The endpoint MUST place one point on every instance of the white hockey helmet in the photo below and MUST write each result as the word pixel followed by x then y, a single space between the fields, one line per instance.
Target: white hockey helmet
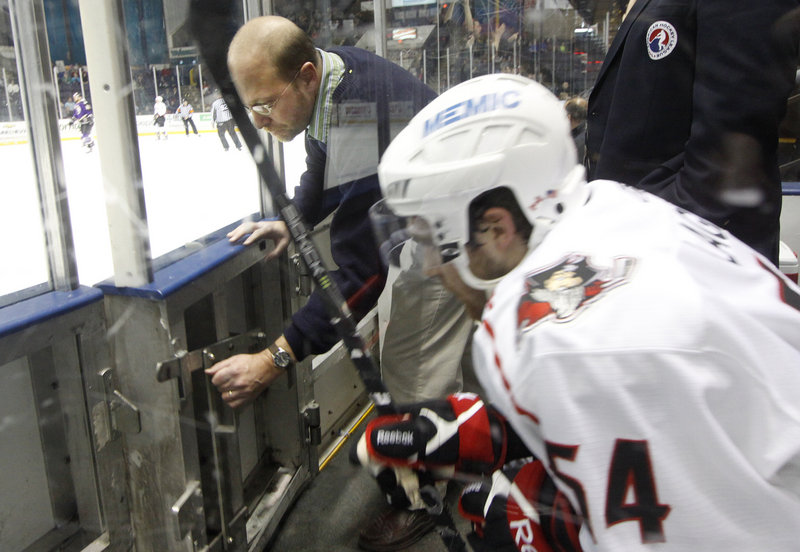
pixel 159 99
pixel 489 132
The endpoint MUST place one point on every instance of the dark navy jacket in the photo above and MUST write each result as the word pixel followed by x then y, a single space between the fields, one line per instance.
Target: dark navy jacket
pixel 687 106
pixel 372 89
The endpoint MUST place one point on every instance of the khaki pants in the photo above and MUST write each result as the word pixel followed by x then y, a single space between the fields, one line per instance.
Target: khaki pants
pixel 425 338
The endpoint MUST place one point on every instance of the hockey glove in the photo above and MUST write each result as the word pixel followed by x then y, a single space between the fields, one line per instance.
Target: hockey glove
pixel 402 486
pixel 520 511
pixel 459 432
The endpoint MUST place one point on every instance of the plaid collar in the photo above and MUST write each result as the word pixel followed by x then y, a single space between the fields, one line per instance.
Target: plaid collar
pixel 332 72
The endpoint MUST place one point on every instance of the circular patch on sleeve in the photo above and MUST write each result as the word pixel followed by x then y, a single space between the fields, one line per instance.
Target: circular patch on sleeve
pixel 661 39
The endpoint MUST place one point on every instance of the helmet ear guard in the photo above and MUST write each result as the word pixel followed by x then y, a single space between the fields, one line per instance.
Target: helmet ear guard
pixel 489 132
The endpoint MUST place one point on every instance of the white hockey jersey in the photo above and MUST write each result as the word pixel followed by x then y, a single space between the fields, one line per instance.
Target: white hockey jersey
pixel 160 109
pixel 653 362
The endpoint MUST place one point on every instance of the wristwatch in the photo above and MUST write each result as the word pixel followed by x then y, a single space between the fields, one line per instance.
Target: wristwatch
pixel 280 356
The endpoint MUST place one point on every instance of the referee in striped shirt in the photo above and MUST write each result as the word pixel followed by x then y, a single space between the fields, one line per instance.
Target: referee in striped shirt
pixel 221 115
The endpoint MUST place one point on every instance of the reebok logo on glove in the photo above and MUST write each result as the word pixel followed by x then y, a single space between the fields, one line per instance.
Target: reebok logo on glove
pixel 454 432
pixel 394 437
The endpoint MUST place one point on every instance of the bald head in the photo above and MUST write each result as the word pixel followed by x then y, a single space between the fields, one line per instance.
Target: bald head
pixel 270 43
pixel 274 65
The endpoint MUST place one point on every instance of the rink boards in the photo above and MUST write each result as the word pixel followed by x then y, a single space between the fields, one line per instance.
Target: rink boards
pixel 17 132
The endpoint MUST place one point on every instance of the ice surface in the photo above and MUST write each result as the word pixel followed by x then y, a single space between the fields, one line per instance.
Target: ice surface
pixel 191 186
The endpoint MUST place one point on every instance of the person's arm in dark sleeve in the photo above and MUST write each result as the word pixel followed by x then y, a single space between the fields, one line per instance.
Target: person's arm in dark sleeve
pixel 360 275
pixel 744 71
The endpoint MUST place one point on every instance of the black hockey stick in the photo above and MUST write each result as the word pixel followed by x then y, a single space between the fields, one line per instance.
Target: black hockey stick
pixel 213 25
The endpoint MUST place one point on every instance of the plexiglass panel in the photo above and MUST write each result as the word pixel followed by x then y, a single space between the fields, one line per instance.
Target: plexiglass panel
pixel 445 43
pixel 24 261
pixel 192 185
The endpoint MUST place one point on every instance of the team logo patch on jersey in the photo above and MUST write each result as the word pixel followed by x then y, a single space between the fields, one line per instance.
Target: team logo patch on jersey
pixel 661 39
pixel 561 292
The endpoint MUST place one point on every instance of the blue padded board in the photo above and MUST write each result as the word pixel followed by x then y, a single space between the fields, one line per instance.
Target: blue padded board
pixel 173 277
pixel 46 306
pixel 180 267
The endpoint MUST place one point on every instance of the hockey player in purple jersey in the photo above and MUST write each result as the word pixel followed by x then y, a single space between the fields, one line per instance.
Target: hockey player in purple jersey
pixel 83 118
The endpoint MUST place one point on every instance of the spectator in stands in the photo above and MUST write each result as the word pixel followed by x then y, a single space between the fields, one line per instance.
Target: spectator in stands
pixel 69 106
pixel 576 108
pixel 458 22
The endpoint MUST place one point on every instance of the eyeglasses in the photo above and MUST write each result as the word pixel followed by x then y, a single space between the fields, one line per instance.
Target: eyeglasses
pixel 265 109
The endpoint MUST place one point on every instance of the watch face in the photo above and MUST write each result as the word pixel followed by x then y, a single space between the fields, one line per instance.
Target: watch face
pixel 282 358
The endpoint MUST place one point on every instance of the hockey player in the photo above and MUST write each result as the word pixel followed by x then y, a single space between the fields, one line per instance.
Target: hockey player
pixel 83 119
pixel 646 359
pixel 160 117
